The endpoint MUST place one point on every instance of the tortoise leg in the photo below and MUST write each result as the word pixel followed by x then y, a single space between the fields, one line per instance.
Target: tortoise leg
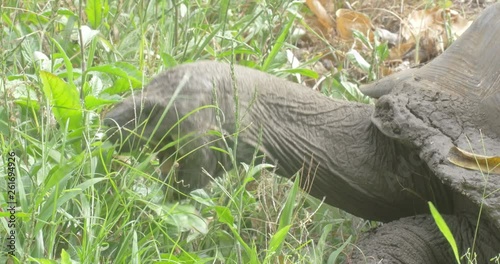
pixel 417 240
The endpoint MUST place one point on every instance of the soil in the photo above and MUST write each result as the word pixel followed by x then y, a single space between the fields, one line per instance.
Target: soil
pixel 389 15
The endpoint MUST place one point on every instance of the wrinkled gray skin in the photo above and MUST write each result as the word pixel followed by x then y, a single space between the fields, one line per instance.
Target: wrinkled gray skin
pixel 380 163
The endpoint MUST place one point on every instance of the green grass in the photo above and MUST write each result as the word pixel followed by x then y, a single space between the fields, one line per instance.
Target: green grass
pixel 77 203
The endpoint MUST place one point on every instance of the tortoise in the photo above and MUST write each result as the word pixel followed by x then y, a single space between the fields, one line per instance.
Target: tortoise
pixel 381 162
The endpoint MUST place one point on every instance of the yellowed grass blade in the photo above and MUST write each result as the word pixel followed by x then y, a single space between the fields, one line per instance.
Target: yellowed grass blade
pixel 464 159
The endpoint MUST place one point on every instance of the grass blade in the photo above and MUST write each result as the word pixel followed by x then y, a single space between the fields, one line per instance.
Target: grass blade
pixel 445 230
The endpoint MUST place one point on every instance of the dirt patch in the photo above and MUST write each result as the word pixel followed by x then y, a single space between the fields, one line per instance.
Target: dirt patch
pixel 325 42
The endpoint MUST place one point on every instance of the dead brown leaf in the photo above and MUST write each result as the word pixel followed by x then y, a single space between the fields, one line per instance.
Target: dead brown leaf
pixel 349 20
pixel 398 51
pixel 319 10
pixel 464 159
pixel 432 28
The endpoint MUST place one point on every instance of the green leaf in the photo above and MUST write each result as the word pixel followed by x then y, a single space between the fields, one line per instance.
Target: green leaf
pixel 168 60
pixel 303 72
pixel 362 37
pixel 120 85
pixel 64 12
pixel 277 239
pixel 92 102
pixel 355 58
pixel 57 173
pixel 382 52
pixel 6 19
pixel 332 259
pixel 202 197
pixel 65 258
pixel 322 245
pixel 67 194
pixel 135 249
pixel 287 213
pixel 285 220
pixel 184 217
pixel 258 168
pixel 445 230
pixel 67 61
pixel 224 215
pixel 278 44
pixel 43 261
pixel 63 99
pixel 121 69
pixel 96 10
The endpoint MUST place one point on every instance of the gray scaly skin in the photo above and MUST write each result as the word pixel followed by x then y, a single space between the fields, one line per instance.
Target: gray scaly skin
pixel 380 163
pixel 349 161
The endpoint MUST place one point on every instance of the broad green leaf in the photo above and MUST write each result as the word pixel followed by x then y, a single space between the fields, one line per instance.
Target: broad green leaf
pixel 65 258
pixel 258 168
pixel 120 85
pixel 168 60
pixel 277 239
pixel 382 51
pixel 121 69
pixel 353 90
pixel 464 159
pixel 202 197
pixel 184 217
pixel 64 100
pixel 303 72
pixel 224 215
pixel 96 10
pixel 92 102
pixel 88 34
pixel 355 58
pixel 445 230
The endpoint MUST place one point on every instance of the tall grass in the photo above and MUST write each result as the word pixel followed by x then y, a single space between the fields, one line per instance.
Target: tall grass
pixel 64 62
